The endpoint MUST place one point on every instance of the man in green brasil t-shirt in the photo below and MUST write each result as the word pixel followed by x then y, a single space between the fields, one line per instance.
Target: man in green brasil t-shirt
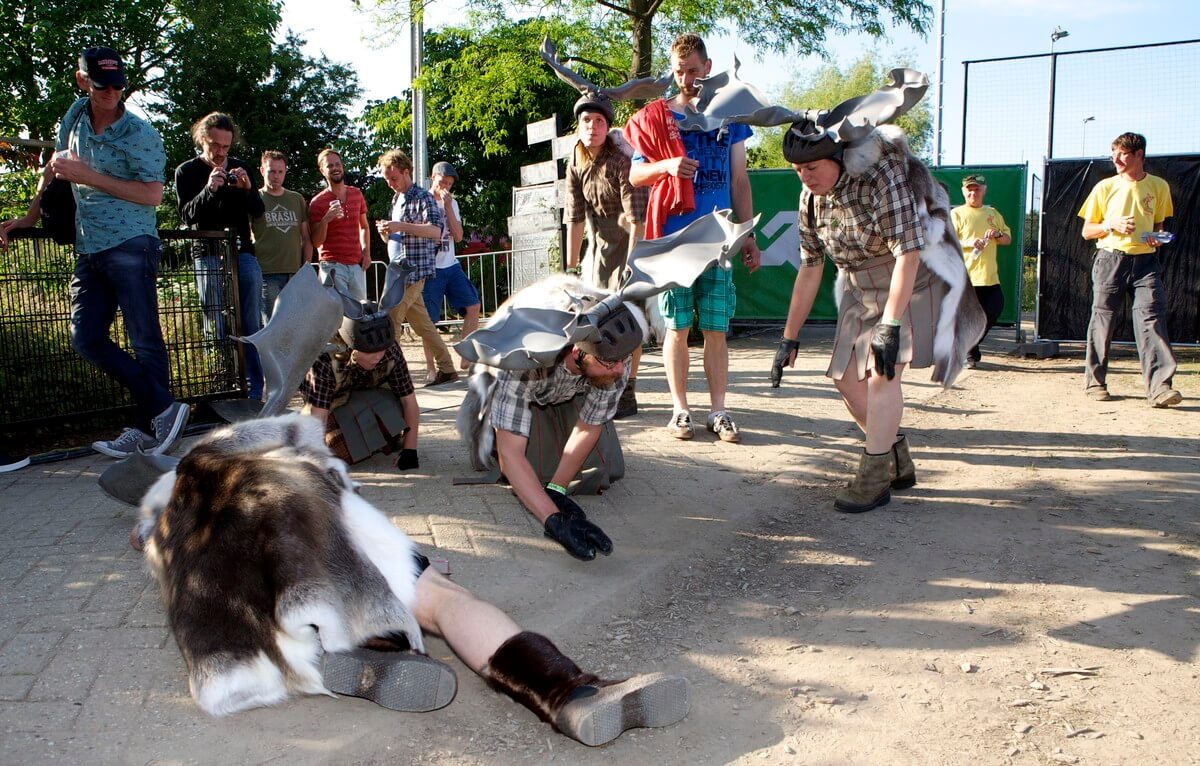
pixel 281 237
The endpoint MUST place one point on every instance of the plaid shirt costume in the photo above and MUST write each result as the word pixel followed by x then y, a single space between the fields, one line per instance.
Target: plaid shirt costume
pixel 861 218
pixel 416 206
pixel 333 376
pixel 517 391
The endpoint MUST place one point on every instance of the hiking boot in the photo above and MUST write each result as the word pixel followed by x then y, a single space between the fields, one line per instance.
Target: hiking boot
pixel 906 472
pixel 1098 393
pixel 723 426
pixel 871 486
pixel 405 681
pixel 1168 398
pixel 681 425
pixel 130 442
pixel 167 425
pixel 628 404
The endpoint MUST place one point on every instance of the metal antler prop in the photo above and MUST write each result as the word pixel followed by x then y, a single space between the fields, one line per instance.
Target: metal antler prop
pixel 523 337
pixel 641 89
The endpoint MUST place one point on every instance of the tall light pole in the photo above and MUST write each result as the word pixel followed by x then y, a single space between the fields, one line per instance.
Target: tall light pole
pixel 1058 34
pixel 941 68
pixel 1083 138
pixel 420 159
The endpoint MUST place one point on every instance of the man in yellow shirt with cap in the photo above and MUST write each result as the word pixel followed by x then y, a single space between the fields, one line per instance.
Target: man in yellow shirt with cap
pixel 980 228
pixel 1123 214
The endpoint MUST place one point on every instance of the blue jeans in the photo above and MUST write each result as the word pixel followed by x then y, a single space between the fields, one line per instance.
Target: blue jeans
pixel 250 286
pixel 210 286
pixel 350 280
pixel 273 285
pixel 123 277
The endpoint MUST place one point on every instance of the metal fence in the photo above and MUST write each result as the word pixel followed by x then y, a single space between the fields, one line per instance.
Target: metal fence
pixel 44 382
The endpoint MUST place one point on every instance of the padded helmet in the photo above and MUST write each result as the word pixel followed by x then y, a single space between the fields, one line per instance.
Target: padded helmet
pixel 369 333
pixel 806 142
pixel 595 102
pixel 618 334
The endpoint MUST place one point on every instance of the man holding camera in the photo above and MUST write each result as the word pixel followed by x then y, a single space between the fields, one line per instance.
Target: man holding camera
pixel 216 192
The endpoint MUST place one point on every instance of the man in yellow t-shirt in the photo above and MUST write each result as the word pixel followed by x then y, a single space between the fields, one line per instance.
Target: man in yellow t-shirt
pixel 1121 214
pixel 980 228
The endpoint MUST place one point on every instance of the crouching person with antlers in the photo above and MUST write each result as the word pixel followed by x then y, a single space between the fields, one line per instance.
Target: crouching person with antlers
pixel 278 578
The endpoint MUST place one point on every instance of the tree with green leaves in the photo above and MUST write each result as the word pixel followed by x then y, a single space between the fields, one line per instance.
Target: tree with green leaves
pixel 769 26
pixel 826 88
pixel 182 60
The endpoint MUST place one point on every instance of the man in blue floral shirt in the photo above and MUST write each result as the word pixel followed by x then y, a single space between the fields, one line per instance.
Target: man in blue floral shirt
pixel 114 161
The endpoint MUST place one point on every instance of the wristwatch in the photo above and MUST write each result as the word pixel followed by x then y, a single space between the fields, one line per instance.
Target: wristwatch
pixel 1107 228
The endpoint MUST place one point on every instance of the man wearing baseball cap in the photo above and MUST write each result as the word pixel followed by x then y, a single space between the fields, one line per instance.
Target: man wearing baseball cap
pixel 980 228
pixel 114 161
pixel 449 282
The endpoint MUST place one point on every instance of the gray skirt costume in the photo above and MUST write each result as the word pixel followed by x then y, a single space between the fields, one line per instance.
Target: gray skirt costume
pixel 863 295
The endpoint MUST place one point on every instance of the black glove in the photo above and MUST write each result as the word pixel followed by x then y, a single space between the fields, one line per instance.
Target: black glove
pixel 407 460
pixel 572 530
pixel 885 344
pixel 783 356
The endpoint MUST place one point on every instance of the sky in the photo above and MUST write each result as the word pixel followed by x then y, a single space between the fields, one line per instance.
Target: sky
pixel 975 29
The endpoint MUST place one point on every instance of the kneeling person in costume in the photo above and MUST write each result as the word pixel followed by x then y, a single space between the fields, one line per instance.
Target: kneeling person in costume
pixel 279 579
pixel 903 293
pixel 363 393
pixel 583 385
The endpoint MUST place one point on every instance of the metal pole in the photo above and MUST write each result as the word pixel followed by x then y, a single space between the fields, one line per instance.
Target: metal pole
pixel 1050 120
pixel 962 155
pixel 420 149
pixel 941 65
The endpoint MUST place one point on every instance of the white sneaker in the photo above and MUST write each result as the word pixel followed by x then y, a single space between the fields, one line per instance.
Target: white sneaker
pixel 681 425
pixel 723 426
pixel 131 441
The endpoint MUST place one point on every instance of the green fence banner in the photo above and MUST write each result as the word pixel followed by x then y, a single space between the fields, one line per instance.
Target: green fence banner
pixel 765 294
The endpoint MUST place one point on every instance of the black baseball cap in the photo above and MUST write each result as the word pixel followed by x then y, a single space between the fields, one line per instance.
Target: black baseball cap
pixel 103 67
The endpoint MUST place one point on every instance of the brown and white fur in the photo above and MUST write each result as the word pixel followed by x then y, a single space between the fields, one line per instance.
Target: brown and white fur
pixel 961 320
pixel 267 557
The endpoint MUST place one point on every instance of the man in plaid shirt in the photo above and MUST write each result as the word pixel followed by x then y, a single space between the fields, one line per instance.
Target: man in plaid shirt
pixel 413 236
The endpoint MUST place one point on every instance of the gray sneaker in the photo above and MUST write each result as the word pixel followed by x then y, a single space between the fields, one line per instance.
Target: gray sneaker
pixel 681 426
pixel 723 426
pixel 130 442
pixel 167 425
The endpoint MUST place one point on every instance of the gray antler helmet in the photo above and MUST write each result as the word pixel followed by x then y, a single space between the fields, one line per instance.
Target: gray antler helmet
pixel 824 135
pixel 618 330
pixel 370 332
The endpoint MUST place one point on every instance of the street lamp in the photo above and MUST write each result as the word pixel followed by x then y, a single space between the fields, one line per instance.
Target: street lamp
pixel 1058 34
pixel 1083 140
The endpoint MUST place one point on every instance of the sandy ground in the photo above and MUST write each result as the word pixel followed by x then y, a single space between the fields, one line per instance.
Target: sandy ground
pixel 1033 600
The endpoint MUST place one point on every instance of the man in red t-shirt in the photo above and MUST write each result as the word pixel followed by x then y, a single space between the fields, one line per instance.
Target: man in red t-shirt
pixel 339 230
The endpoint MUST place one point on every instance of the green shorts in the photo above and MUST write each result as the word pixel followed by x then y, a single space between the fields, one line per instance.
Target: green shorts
pixel 711 296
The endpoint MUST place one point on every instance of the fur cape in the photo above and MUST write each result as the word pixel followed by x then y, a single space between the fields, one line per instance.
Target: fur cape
pixel 267 557
pixel 961 322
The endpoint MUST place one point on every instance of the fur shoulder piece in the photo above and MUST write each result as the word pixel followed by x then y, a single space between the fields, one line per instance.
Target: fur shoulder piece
pixel 267 557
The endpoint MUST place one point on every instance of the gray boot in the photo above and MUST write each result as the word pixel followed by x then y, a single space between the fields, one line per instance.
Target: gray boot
pixel 871 486
pixel 906 472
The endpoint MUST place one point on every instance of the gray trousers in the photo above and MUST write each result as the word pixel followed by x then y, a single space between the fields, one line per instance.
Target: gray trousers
pixel 1113 275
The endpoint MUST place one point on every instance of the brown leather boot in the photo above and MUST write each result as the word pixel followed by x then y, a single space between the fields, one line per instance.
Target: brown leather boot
pixel 529 668
pixel 871 486
pixel 906 472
